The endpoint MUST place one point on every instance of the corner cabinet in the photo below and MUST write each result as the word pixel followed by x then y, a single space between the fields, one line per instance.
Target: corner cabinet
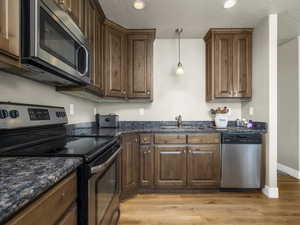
pixel 140 63
pixel 115 60
pixel 228 64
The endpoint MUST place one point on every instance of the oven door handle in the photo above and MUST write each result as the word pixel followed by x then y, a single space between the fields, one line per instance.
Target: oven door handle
pixel 102 167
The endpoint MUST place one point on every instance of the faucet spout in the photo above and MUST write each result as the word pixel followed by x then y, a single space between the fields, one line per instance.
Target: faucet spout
pixel 179 121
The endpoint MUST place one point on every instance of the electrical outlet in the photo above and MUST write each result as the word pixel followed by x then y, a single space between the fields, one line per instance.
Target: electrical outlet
pixel 141 111
pixel 251 111
pixel 72 110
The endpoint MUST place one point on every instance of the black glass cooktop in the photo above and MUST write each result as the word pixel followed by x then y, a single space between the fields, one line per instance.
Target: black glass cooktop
pixel 54 144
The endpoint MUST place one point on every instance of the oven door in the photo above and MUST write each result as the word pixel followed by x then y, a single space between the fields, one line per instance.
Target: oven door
pixel 104 191
pixel 53 41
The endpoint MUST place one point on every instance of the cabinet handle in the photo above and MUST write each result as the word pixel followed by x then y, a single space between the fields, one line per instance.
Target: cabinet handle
pixel 136 140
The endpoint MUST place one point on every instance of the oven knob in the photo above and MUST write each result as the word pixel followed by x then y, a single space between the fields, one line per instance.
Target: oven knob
pixel 3 114
pixel 14 114
pixel 58 114
pixel 63 114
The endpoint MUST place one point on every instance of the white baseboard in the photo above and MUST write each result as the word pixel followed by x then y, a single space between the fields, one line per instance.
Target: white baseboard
pixel 288 170
pixel 270 192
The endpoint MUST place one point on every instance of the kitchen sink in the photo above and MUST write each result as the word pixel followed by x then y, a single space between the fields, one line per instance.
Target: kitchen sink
pixel 176 127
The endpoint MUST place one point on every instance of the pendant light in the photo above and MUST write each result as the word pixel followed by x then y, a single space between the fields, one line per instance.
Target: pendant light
pixel 179 70
pixel 139 4
pixel 229 3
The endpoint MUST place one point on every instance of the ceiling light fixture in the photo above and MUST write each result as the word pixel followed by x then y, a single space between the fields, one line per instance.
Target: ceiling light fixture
pixel 179 70
pixel 139 4
pixel 229 3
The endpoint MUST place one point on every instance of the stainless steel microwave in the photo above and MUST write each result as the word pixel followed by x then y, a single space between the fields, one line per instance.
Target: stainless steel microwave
pixel 54 49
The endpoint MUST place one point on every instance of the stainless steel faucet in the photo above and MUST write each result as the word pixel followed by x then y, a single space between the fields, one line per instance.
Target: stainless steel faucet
pixel 179 120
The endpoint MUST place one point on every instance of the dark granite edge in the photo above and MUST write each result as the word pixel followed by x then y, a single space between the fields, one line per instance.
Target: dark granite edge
pixel 52 180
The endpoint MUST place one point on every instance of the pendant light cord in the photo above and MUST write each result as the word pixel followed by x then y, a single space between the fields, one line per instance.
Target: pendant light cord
pixel 179 45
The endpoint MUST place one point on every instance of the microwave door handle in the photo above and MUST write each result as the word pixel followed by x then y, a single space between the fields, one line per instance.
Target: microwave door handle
pixel 102 167
pixel 87 61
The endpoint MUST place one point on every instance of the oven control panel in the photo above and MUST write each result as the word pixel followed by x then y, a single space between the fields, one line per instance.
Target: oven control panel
pixel 13 115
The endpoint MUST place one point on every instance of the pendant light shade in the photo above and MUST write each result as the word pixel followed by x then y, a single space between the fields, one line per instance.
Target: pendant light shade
pixel 179 70
pixel 229 3
pixel 139 4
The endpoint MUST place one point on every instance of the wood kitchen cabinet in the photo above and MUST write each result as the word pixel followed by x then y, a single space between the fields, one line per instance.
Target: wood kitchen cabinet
pixel 130 164
pixel 229 63
pixel 56 207
pixel 9 30
pixel 140 63
pixel 203 166
pixel 147 166
pixel 170 166
pixel 115 60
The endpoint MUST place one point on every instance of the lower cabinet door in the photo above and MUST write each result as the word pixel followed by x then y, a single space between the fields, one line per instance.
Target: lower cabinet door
pixel 147 166
pixel 130 163
pixel 170 166
pixel 203 166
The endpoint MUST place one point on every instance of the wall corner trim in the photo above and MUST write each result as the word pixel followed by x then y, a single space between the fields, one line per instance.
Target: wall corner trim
pixel 270 192
pixel 288 170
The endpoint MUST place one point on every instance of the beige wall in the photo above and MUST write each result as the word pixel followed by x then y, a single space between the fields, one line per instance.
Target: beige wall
pixel 288 104
pixel 174 95
pixel 264 100
pixel 18 89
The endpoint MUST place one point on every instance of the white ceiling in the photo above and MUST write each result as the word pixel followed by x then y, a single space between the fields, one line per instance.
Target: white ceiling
pixel 197 16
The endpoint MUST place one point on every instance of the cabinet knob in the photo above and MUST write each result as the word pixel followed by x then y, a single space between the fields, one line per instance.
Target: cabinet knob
pixel 148 92
pixel 124 92
pixel 136 140
pixel 144 139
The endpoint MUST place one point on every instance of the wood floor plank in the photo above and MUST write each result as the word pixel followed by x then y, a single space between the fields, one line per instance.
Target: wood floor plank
pixel 215 208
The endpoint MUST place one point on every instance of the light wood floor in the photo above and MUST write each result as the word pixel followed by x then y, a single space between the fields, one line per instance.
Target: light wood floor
pixel 215 208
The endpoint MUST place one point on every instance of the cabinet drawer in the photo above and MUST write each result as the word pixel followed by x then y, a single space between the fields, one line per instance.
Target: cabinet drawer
pixel 203 138
pixel 146 139
pixel 170 139
pixel 51 206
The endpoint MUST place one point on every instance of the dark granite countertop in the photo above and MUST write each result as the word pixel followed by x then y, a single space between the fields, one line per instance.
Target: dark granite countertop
pixel 131 130
pixel 23 179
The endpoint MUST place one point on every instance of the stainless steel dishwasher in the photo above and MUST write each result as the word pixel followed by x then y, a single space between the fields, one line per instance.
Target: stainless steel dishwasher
pixel 241 161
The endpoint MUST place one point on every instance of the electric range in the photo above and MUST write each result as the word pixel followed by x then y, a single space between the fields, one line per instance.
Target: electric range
pixel 39 131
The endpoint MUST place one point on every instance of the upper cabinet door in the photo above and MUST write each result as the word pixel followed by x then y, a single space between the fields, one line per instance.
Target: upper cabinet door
pixel 140 64
pixel 223 65
pixel 99 53
pixel 228 63
pixel 90 11
pixel 242 64
pixel 9 27
pixel 115 62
